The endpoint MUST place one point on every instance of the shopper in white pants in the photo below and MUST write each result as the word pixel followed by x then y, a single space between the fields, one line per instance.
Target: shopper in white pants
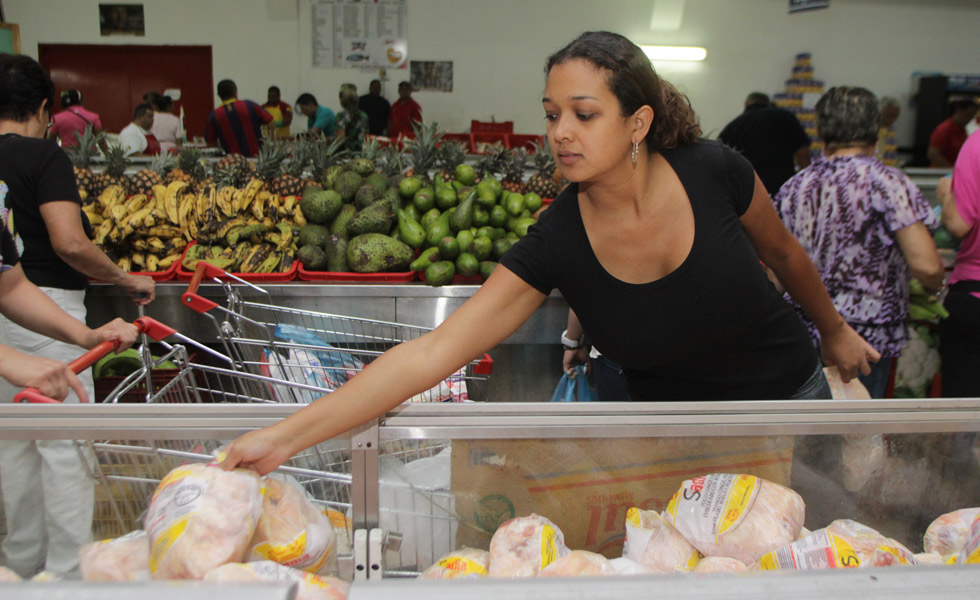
pixel 48 497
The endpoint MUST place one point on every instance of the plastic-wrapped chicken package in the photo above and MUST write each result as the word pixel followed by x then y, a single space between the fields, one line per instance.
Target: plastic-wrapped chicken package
pixel 971 547
pixel 737 516
pixel 929 558
pixel 8 576
pixel 579 563
pixel 626 566
pixel 201 517
pixel 309 586
pixel 719 564
pixel 655 544
pixel 947 534
pixel 523 546
pixel 842 544
pixel 291 531
pixel 462 563
pixel 125 558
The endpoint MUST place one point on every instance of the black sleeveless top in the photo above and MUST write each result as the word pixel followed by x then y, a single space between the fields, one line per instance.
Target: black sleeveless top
pixel 713 329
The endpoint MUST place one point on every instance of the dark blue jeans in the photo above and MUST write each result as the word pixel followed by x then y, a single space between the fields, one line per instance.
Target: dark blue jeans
pixel 610 383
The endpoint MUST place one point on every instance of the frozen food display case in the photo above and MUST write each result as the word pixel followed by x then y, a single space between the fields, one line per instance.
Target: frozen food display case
pixel 427 479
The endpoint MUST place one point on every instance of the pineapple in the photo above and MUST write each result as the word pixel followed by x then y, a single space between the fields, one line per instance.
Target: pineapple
pixel 189 167
pixel 422 150
pixel 290 180
pixel 144 180
pixel 492 163
pixel 542 181
pixel 391 160
pixel 515 161
pixel 268 164
pixel 81 158
pixel 116 163
pixel 451 155
pixel 233 170
pixel 323 156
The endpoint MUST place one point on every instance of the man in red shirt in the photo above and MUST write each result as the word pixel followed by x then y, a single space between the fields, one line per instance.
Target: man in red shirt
pixel 948 137
pixel 236 124
pixel 404 112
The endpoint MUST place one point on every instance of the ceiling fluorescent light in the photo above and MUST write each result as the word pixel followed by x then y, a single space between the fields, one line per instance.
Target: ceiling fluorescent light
pixel 674 52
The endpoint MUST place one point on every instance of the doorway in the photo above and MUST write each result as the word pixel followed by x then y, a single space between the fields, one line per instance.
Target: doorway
pixel 113 79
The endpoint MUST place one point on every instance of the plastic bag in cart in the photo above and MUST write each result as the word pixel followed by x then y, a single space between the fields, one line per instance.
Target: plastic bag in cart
pixel 862 455
pixel 574 387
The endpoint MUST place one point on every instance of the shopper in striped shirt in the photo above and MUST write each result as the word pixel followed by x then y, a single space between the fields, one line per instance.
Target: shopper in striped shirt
pixel 236 124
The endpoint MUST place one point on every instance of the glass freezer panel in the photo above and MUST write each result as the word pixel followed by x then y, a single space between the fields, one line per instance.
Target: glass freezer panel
pixel 461 492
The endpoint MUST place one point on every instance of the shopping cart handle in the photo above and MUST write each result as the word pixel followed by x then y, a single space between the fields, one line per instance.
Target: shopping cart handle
pixel 190 297
pixel 154 329
pixel 483 366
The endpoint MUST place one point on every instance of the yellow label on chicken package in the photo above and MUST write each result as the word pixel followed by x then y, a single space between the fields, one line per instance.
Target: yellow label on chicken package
pixel 705 508
pixel 462 566
pixel 549 546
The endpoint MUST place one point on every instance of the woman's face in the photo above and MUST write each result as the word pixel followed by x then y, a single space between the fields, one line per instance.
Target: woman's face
pixel 590 138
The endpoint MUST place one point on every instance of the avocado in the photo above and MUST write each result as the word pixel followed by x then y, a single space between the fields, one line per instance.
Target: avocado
pixel 429 218
pixel 498 216
pixel 312 234
pixel 467 265
pixel 514 204
pixel 377 253
pixel 522 225
pixel 373 219
pixel 335 249
pixel 482 247
pixel 448 248
pixel 426 258
pixel 320 207
pixel 465 239
pixel 409 186
pixel 440 273
pixel 424 199
pixel 312 257
pixel 462 217
pixel 347 184
pixel 339 224
pixel 532 201
pixel 486 267
pixel 410 231
pixel 438 230
pixel 500 247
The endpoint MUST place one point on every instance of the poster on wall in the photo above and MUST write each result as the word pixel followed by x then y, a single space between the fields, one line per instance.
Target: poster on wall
pixel 432 75
pixel 121 19
pixel 360 34
pixel 801 5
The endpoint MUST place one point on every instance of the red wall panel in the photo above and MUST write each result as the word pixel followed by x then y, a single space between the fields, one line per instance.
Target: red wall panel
pixel 114 78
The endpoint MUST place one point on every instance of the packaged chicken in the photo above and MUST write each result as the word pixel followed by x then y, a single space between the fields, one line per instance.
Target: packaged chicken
pixel 309 586
pixel 125 558
pixel 8 576
pixel 929 558
pixel 466 562
pixel 579 563
pixel 654 543
pixel 201 517
pixel 947 534
pixel 626 566
pixel 291 531
pixel 842 544
pixel 719 564
pixel 970 554
pixel 523 546
pixel 738 516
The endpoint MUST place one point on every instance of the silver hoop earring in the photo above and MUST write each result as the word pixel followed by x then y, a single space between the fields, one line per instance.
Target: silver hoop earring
pixel 635 154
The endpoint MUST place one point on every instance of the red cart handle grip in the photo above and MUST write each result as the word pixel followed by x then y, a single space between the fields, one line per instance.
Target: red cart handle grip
pixel 483 366
pixel 154 329
pixel 190 297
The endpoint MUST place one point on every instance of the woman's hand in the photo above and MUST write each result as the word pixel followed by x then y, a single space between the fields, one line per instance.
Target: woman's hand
pixel 848 351
pixel 141 288
pixel 51 377
pixel 115 330
pixel 261 451
pixel 573 358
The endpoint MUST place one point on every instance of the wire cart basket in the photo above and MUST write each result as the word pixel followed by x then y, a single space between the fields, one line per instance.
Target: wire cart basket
pixel 319 349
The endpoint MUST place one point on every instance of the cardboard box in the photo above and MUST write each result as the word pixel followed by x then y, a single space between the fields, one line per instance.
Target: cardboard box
pixel 586 485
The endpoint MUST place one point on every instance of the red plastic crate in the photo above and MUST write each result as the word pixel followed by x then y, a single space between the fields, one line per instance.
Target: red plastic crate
pixel 524 140
pixel 185 275
pixel 156 276
pixel 351 277
pixel 478 140
pixel 491 126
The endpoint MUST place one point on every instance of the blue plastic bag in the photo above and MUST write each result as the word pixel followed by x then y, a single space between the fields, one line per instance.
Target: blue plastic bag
pixel 574 387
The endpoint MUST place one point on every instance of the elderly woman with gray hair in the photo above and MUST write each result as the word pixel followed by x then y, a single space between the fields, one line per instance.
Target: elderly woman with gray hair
pixel 865 226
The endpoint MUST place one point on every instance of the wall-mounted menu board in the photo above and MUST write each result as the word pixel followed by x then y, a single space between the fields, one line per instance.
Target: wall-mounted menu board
pixel 355 34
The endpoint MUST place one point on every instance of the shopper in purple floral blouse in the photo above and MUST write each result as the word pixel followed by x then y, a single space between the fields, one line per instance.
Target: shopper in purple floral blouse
pixel 864 225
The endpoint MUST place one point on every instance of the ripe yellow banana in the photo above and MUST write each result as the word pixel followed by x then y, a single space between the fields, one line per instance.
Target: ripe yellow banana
pixel 172 200
pixel 160 196
pixel 136 203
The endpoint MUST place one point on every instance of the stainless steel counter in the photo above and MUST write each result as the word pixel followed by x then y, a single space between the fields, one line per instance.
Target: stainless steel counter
pixel 527 364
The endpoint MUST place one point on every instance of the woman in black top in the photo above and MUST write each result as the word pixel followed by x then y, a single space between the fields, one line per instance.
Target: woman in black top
pixel 656 247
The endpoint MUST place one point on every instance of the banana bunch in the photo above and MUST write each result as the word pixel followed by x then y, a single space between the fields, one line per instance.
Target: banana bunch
pixel 250 225
pixel 136 232
pixel 922 307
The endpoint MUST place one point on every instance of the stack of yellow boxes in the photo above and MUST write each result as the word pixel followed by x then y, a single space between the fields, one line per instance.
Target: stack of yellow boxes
pixel 800 97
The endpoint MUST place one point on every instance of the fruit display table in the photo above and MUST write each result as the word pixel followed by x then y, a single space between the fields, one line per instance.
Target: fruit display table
pixel 527 365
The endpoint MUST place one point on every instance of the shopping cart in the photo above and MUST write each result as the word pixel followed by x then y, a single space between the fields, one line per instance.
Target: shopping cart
pixel 320 349
pixel 127 472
